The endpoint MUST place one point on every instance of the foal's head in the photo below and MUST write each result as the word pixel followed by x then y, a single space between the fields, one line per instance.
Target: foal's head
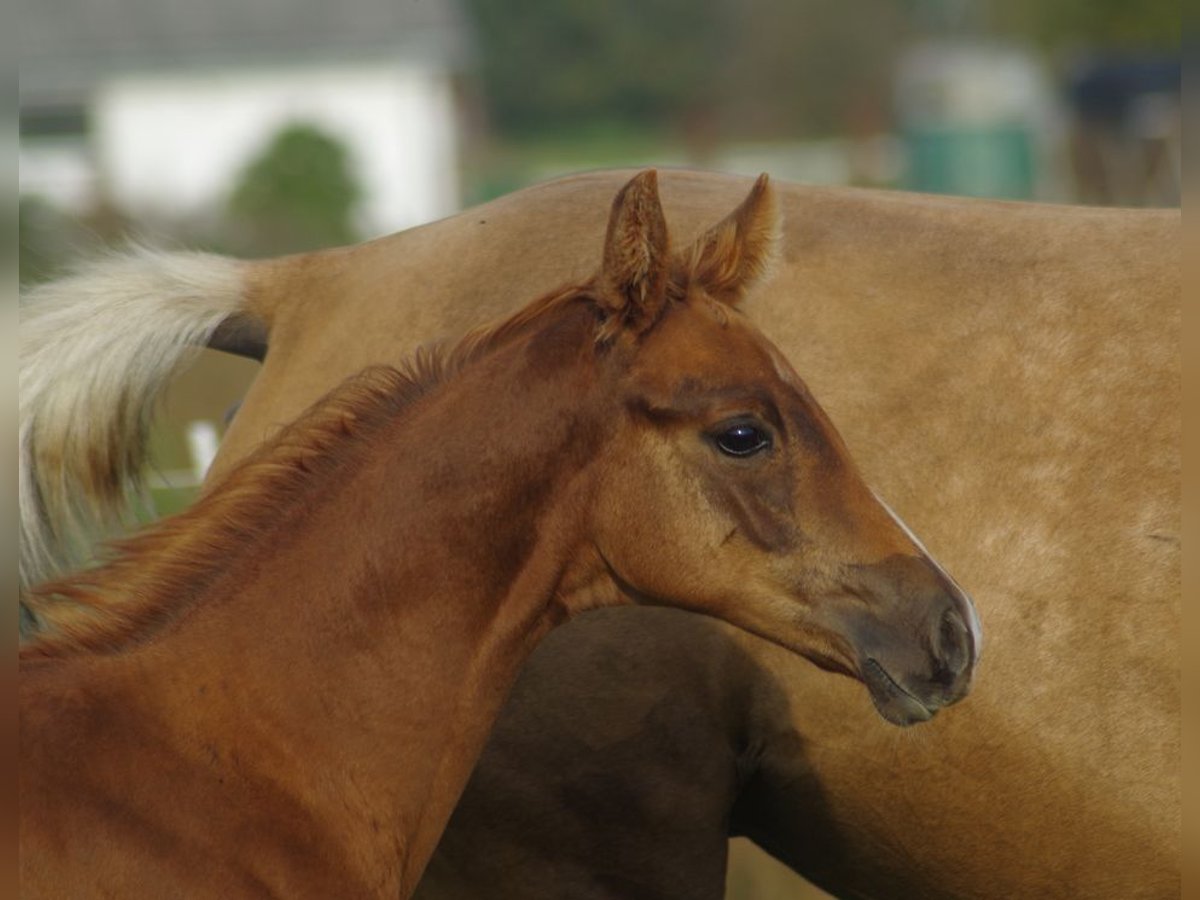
pixel 726 488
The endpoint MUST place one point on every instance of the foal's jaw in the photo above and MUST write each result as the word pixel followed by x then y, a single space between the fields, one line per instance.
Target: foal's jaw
pixel 893 702
pixel 903 628
pixel 896 626
pixel 913 665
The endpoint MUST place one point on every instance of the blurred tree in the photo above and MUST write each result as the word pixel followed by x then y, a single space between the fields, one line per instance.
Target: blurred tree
pixel 298 194
pixel 1095 24
pixel 755 68
pixel 549 65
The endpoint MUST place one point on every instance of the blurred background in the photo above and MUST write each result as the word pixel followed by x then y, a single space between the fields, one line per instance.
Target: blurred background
pixel 260 127
pixel 264 126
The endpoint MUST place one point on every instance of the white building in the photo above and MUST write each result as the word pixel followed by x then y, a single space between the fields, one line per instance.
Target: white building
pixel 157 105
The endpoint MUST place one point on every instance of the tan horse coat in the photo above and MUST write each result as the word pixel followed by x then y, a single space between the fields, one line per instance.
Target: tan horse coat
pixel 1008 376
pixel 281 692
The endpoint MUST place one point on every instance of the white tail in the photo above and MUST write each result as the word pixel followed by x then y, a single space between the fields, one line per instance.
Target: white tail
pixel 97 350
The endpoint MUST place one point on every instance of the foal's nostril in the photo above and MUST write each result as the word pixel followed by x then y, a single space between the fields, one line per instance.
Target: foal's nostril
pixel 952 644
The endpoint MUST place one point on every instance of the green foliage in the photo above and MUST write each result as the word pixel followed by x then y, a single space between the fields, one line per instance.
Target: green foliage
pixel 298 194
pixel 553 64
pixel 757 68
pixel 754 68
pixel 1095 24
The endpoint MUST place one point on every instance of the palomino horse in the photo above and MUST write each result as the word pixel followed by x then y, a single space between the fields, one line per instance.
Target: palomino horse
pixel 1007 374
pixel 283 691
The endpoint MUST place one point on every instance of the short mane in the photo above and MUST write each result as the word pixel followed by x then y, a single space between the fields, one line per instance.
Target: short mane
pixel 145 580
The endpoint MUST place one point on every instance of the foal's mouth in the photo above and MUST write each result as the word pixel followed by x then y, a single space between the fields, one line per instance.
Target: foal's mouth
pixel 893 702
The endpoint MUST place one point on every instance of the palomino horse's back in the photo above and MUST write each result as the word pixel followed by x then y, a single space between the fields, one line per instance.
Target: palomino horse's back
pixel 1008 376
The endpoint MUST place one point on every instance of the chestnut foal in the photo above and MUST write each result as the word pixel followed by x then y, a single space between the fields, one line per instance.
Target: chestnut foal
pixel 283 690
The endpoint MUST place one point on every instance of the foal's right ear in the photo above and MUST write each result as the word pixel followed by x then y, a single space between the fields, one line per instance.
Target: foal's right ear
pixel 737 252
pixel 632 284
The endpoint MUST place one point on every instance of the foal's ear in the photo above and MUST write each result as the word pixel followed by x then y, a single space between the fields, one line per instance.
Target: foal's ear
pixel 632 284
pixel 737 252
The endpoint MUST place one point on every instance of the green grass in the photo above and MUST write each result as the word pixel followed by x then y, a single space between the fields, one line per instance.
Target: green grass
pixel 168 501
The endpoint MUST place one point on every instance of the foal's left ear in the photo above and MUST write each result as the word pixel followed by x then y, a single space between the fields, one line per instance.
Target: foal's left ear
pixel 632 284
pixel 738 251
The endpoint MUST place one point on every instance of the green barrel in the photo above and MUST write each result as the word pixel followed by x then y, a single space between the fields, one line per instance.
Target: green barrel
pixel 979 161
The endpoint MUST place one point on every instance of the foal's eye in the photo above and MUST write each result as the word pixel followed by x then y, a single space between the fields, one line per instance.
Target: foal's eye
pixel 742 439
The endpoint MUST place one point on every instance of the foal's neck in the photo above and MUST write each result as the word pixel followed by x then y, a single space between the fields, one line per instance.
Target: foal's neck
pixel 383 630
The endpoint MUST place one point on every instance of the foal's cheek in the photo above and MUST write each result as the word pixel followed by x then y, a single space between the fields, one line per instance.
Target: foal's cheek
pixel 666 538
pixel 757 508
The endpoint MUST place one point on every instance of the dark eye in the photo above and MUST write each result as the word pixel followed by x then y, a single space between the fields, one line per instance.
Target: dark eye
pixel 742 439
